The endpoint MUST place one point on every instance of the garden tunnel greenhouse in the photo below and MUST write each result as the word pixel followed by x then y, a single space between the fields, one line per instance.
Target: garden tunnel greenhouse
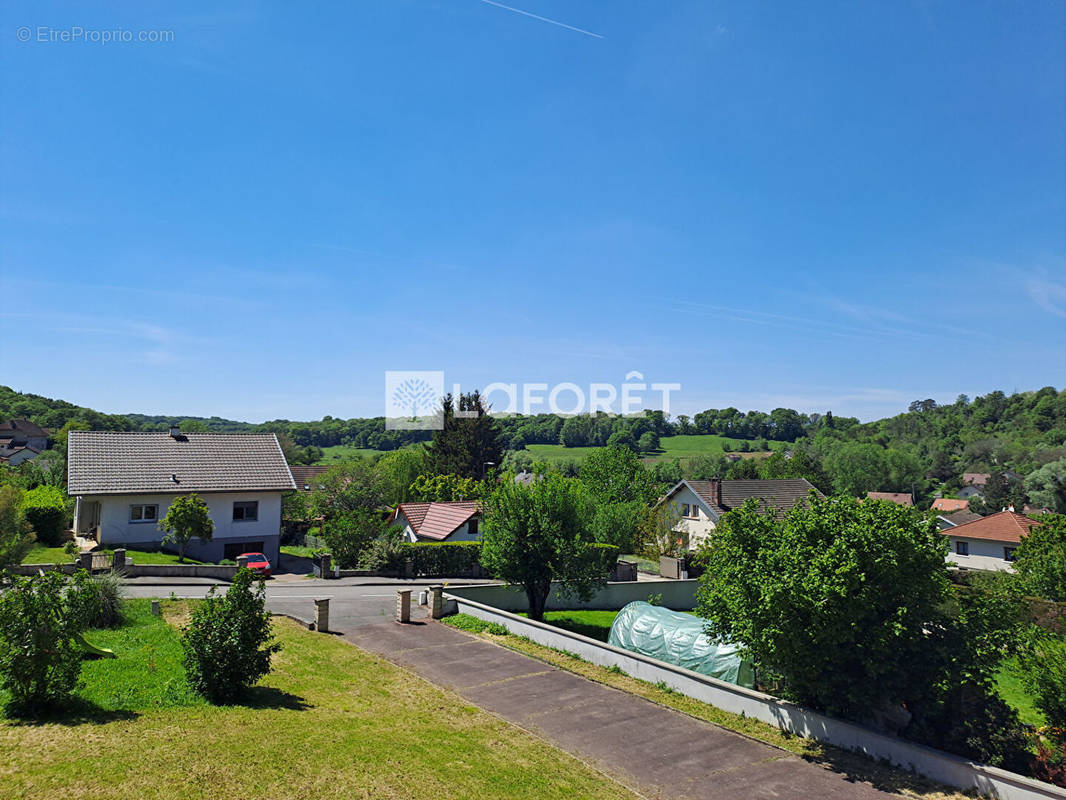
pixel 679 638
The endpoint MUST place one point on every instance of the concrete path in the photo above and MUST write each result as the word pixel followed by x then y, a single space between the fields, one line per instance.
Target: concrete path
pixel 654 750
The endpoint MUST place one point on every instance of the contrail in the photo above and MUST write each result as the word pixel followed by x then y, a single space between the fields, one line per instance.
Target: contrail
pixel 542 19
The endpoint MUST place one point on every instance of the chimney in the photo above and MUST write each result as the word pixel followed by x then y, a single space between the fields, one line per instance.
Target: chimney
pixel 175 431
pixel 716 491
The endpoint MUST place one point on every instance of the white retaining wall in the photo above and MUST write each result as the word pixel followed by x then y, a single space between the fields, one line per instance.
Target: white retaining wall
pixel 939 766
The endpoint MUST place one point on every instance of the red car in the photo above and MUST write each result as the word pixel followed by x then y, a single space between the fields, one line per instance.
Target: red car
pixel 257 562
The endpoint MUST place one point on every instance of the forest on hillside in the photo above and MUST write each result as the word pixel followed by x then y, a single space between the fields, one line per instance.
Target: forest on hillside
pixel 1019 438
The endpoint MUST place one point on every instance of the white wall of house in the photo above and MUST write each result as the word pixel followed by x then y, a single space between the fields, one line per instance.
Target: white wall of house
pixel 983 554
pixel 697 524
pixel 116 527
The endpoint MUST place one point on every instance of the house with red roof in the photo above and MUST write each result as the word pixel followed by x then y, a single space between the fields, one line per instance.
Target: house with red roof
pixel 439 522
pixel 990 542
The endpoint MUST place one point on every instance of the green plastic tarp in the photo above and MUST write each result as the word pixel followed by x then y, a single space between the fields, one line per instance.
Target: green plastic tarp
pixel 678 638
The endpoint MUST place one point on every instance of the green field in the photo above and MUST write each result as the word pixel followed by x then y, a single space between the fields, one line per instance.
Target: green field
pixel 56 555
pixel 330 721
pixel 345 452
pixel 671 447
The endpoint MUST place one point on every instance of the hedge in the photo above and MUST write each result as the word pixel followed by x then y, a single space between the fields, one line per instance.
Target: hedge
pixel 46 510
pixel 442 558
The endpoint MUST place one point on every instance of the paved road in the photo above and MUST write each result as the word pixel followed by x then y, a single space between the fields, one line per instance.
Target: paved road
pixel 353 601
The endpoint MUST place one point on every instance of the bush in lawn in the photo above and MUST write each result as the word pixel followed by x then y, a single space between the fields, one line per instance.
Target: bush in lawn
pixel 228 642
pixel 39 659
pixel 835 598
pixel 46 510
pixel 105 597
pixel 16 538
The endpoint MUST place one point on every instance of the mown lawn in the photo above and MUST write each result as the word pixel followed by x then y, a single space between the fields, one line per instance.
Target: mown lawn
pixel 299 550
pixel 331 721
pixel 670 447
pixel 56 555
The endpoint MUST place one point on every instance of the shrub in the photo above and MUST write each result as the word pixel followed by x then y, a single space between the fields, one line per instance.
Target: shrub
pixel 384 553
pixel 39 659
pixel 971 720
pixel 1050 762
pixel 16 538
pixel 228 642
pixel 46 510
pixel 444 558
pixel 836 598
pixel 105 596
pixel 350 533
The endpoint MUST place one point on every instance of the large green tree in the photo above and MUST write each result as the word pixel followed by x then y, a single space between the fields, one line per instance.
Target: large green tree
pixel 469 444
pixel 537 533
pixel 835 598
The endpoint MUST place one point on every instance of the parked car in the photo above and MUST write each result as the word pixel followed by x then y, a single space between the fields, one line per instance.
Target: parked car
pixel 257 562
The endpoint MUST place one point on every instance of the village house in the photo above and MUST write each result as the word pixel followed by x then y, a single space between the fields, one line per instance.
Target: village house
pixel 988 543
pixel 123 484
pixel 21 440
pixel 700 504
pixel 439 522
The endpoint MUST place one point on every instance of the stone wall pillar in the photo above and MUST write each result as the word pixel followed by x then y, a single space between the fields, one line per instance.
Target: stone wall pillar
pixel 85 561
pixel 156 611
pixel 403 605
pixel 118 559
pixel 436 602
pixel 322 615
pixel 242 562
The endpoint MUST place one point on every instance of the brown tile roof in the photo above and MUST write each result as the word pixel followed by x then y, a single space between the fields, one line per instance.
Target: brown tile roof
pixel 899 498
pixel 961 517
pixel 779 494
pixel 977 479
pixel 950 504
pixel 437 520
pixel 20 426
pixel 304 475
pixel 106 462
pixel 1006 526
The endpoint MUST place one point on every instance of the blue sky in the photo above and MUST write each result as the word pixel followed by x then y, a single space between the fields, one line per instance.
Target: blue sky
pixel 844 205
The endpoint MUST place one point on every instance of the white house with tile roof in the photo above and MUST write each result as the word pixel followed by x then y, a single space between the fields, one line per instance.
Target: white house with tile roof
pixel 701 504
pixel 123 484
pixel 439 522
